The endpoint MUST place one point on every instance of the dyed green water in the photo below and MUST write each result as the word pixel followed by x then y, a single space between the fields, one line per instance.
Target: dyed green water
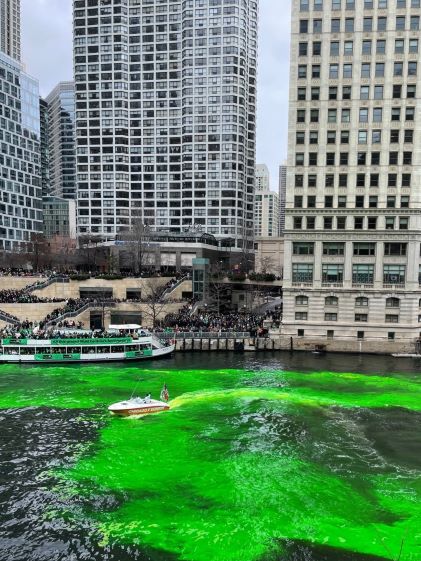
pixel 246 462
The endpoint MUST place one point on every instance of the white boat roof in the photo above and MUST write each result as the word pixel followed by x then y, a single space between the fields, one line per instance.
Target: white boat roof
pixel 125 326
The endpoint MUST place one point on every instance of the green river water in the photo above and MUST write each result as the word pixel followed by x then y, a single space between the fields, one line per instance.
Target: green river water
pixel 259 459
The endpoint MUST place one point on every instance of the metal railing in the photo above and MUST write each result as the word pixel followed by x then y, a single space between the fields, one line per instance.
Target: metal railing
pixel 8 318
pixel 39 285
pixel 170 289
pixel 78 311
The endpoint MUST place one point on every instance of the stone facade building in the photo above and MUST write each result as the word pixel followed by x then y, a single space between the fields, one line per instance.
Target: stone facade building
pixel 353 221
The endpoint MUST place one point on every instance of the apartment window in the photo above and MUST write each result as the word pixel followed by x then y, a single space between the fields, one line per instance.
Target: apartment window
pixel 327 222
pixel 336 4
pixel 392 179
pixel 331 317
pixel 407 158
pixel 377 115
pixel 350 4
pixel 360 334
pixel 300 138
pixel 405 201
pixel 413 46
pixel 381 23
pixel 398 69
pixel 403 223
pixel 376 137
pixel 334 48
pixel 399 46
pixel 331 301
pixel 368 4
pixel 375 159
pixel 362 137
pixel 303 49
pixel 396 114
pixel 361 318
pixel 411 91
pixel 364 248
pixel 315 93
pixel 372 201
pixel 393 303
pixel 359 201
pixel 374 179
pixel 298 222
pixel 301 300
pixel 318 5
pixel 311 222
pixel 395 249
pixel 331 137
pixel 343 159
pixel 314 116
pixel 382 4
pixel 301 94
pixel 329 201
pixel 349 25
pixel 334 71
pixel 312 159
pixel 330 158
pixel 390 222
pixel 298 201
pixel 304 5
pixel 394 274
pixel 300 332
pixel 302 272
pixel 303 248
pixel 346 92
pixel 394 137
pixel 365 92
pixel 347 70
pixel 332 273
pixel 343 180
pixel 363 273
pixel 379 70
pixel 335 25
pixel 400 23
pixel 344 137
pixel 341 222
pixel 315 71
pixel 314 137
pixel 366 49
pixel 361 158
pixel 393 158
pixel 301 316
pixel 412 68
pixel 330 180
pixel 333 92
pixel 333 248
pixel 361 302
pixel 414 24
pixel 301 116
pixel 365 70
pixel 364 115
pixel 406 180
pixel 358 222
pixel 332 116
pixel 311 201
pixel 304 26
pixel 391 318
pixel 348 48
pixel 317 26
pixel 378 92
pixel 302 71
pixel 330 334
pixel 391 201
pixel 381 47
pixel 397 91
pixel 299 159
pixel 299 181
pixel 368 24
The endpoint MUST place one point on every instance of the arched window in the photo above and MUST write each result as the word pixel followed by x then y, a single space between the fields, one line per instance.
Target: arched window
pixel 393 303
pixel 331 301
pixel 361 301
pixel 301 300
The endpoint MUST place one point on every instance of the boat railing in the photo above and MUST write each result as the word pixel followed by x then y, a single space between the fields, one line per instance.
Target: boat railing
pixel 205 335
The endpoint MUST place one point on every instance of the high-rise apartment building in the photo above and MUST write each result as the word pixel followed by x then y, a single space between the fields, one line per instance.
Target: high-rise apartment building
pixel 282 195
pixel 62 140
pixel 262 178
pixel 353 221
pixel 20 181
pixel 266 205
pixel 165 115
pixel 10 28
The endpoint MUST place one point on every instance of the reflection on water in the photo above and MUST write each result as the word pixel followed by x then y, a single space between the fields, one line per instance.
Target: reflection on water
pixel 262 457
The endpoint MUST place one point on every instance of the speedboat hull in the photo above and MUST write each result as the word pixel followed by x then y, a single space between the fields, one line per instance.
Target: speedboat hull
pixel 133 407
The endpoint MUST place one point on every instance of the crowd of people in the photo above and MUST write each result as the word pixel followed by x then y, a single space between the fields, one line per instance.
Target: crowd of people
pixel 24 297
pixel 210 322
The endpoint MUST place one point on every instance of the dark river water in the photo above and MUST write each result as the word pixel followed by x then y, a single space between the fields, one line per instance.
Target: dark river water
pixel 262 457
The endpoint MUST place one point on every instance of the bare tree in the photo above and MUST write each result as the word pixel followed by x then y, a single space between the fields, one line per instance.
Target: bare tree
pixel 153 301
pixel 217 288
pixel 39 252
pixel 138 240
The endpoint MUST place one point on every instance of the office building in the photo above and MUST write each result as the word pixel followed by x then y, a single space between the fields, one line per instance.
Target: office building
pixel 20 182
pixel 282 196
pixel 62 141
pixel 10 28
pixel 165 115
pixel 59 217
pixel 353 221
pixel 44 147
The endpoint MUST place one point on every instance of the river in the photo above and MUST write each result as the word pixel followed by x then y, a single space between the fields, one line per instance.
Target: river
pixel 262 457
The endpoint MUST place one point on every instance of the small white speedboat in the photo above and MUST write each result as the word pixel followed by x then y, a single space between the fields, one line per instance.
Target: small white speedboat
pixel 138 406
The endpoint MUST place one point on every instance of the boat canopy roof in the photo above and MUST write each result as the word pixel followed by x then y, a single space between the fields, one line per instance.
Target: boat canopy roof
pixel 127 326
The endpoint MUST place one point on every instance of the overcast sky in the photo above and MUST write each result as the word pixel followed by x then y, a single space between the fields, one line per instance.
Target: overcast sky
pixel 47 52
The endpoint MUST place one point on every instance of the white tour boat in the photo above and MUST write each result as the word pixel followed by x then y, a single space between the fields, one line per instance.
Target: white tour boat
pixel 119 343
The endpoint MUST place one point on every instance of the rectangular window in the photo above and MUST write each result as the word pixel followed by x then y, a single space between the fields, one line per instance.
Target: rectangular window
pixel 333 248
pixel 303 248
pixel 361 318
pixel 332 273
pixel 392 318
pixel 394 274
pixel 331 317
pixel 395 249
pixel 362 273
pixel 302 272
pixel 366 49
pixel 364 248
pixel 302 316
